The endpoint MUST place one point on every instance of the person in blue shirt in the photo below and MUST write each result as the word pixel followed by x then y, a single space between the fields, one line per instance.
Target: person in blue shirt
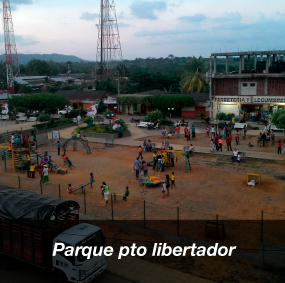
pixel 58 147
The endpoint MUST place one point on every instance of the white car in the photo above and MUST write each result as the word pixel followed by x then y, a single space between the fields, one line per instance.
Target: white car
pixel 65 110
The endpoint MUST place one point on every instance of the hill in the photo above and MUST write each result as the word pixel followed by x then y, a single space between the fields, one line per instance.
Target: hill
pixel 57 58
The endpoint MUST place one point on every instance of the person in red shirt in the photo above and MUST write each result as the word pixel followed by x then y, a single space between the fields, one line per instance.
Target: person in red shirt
pixel 229 142
pixel 140 151
pixel 220 143
pixel 187 134
pixel 185 131
pixel 177 130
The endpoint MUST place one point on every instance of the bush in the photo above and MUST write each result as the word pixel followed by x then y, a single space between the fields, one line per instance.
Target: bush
pixel 88 120
pixel 44 118
pixel 222 116
pixel 21 109
pixel 207 120
pixel 202 115
pixel 101 107
pixel 156 115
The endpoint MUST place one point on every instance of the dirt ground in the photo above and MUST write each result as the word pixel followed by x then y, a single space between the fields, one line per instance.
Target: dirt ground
pixel 212 187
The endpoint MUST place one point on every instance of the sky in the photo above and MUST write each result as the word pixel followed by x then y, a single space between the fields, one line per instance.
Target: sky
pixel 148 28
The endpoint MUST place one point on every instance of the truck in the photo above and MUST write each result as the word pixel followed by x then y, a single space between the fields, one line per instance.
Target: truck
pixel 31 224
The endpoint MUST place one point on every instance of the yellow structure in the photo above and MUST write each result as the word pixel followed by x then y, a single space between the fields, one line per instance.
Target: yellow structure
pixel 255 177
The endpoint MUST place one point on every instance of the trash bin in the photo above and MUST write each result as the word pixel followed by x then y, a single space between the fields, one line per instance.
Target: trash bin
pixel 236 119
pixel 233 119
pixel 253 118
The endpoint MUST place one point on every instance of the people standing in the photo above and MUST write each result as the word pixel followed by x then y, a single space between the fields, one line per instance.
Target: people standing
pixel 120 131
pixel 238 160
pixel 41 174
pixel 212 145
pixel 173 181
pixel 279 147
pixel 188 135
pixel 213 132
pixel 45 173
pixel 229 142
pixel 163 189
pixel 144 168
pixel 220 143
pixel 32 171
pixel 58 147
pixel 207 132
pixel 234 156
pixel 102 191
pixel 28 169
pixel 167 182
pixel 106 192
pixel 140 151
pixel 74 144
pixel 185 131
pixel 244 131
pixel 172 156
pixel 92 180
pixel 163 132
pixel 177 130
pixel 136 167
pixel 35 140
pixel 154 160
pixel 272 136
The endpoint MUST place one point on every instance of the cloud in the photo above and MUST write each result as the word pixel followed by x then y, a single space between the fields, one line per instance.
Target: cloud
pixel 228 17
pixel 145 10
pixel 24 2
pixel 88 16
pixel 23 41
pixel 195 18
pixel 123 25
pixel 175 32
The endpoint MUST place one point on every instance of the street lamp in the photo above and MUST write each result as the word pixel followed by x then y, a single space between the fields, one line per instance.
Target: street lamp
pixel 169 109
pixel 110 116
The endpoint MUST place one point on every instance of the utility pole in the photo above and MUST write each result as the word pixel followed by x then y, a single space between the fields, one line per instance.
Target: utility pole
pixel 12 63
pixel 109 58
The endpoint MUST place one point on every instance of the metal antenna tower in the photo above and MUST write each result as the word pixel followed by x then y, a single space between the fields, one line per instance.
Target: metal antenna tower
pixel 109 58
pixel 12 63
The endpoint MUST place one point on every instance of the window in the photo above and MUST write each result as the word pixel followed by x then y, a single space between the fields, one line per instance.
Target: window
pixel 248 88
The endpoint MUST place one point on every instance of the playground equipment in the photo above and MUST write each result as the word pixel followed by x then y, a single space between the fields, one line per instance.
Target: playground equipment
pixel 17 152
pixel 183 153
pixel 253 179
pixel 82 187
pixel 76 139
pixel 51 163
pixel 151 181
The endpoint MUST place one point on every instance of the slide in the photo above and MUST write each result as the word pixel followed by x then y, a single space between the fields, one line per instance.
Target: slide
pixel 51 163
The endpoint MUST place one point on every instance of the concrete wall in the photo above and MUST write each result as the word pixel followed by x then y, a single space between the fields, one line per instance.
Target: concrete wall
pixel 273 254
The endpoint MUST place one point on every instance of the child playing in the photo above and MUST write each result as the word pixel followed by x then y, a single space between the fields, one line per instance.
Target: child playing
pixel 102 191
pixel 140 151
pixel 69 162
pixel 126 194
pixel 64 159
pixel 237 137
pixel 69 189
pixel 173 181
pixel 163 185
pixel 212 146
pixel 92 179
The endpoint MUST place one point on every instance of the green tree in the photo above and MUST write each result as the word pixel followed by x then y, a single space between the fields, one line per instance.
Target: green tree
pixel 48 102
pixel 37 67
pixel 130 99
pixel 196 64
pixel 278 119
pixel 155 115
pixel 192 83
pixel 172 101
pixel 44 118
pixel 88 120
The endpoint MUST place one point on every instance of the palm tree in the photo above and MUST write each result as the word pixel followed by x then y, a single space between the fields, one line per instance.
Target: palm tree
pixel 196 64
pixel 192 82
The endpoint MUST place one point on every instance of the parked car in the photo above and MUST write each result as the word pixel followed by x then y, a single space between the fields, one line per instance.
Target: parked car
pixel 66 110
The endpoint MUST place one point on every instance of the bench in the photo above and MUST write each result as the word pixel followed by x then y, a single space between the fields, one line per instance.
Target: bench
pixel 22 118
pixel 4 117
pixel 240 125
pixel 109 141
pixel 32 119
pixel 55 116
pixel 20 114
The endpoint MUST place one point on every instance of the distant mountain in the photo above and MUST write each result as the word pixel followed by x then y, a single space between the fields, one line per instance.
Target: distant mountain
pixel 58 58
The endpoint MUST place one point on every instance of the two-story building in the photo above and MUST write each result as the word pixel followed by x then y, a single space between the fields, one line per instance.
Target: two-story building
pixel 255 89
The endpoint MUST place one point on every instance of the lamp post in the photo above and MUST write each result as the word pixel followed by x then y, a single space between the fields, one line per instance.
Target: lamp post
pixel 110 116
pixel 169 109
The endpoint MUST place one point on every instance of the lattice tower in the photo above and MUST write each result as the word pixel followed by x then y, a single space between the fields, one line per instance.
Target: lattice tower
pixel 12 63
pixel 109 58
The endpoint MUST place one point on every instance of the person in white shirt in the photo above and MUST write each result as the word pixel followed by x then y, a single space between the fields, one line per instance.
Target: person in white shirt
pixel 212 132
pixel 45 174
pixel 239 160
pixel 234 156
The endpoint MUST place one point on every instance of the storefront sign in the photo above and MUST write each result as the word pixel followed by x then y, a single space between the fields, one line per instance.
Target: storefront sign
pixel 243 99
pixel 268 99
